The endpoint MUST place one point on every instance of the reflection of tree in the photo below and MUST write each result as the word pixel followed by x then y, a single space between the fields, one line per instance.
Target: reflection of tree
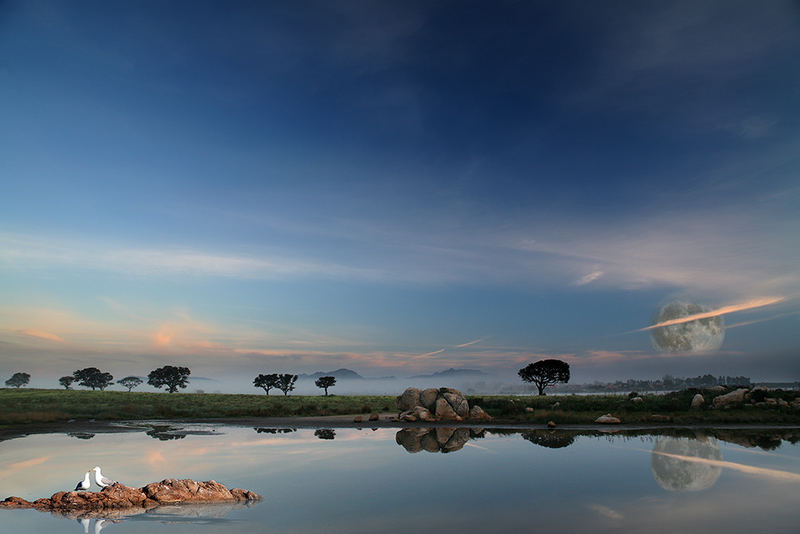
pixel 325 433
pixel 552 439
pixel 262 430
pixel 676 474
pixel 165 433
pixel 81 435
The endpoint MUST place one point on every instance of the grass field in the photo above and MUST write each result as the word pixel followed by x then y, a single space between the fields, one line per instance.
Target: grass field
pixel 20 406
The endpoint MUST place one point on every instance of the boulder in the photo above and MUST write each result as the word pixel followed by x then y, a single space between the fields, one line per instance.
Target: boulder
pixel 408 400
pixel 528 409
pixel 637 400
pixel 374 417
pixel 716 389
pixel 607 419
pixel 783 403
pixel 477 413
pixel 427 398
pixel 556 404
pixel 423 414
pixel 119 497
pixel 697 401
pixel 444 411
pixel 734 397
pixel 357 419
pixel 551 424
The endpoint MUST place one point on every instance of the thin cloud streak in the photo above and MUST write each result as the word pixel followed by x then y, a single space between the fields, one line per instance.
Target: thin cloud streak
pixel 785 476
pixel 749 305
pixel 41 334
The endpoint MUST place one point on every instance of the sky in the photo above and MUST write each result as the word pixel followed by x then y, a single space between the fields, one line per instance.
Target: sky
pixel 397 187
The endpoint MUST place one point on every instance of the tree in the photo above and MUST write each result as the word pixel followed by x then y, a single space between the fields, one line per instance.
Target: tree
pixel 172 377
pixel 130 382
pixel 66 381
pixel 286 382
pixel 18 379
pixel 266 382
pixel 94 378
pixel 325 382
pixel 545 373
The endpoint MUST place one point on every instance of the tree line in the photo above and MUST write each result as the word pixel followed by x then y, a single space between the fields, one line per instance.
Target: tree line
pixel 169 377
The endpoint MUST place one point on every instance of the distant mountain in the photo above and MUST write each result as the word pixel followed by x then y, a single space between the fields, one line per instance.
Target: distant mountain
pixel 339 374
pixel 454 373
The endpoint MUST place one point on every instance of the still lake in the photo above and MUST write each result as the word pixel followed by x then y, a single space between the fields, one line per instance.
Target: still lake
pixel 392 480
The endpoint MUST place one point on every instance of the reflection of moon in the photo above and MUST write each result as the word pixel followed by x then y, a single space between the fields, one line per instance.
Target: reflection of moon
pixel 692 336
pixel 674 474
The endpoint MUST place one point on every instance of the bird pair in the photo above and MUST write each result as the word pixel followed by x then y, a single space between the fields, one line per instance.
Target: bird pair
pixel 99 479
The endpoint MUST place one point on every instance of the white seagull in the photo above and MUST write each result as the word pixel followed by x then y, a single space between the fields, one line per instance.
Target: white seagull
pixel 100 480
pixel 84 484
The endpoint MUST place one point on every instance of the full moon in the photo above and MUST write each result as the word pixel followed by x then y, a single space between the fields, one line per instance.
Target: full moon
pixel 692 336
pixel 675 474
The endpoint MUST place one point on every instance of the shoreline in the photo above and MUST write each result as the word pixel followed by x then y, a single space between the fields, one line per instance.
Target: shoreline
pixel 346 422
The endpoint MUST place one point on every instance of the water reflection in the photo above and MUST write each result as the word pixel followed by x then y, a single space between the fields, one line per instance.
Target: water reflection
pixel 442 439
pixel 262 430
pixel 81 435
pixel 325 433
pixel 679 474
pixel 552 439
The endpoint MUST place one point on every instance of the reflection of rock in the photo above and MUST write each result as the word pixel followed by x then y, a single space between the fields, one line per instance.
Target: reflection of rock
pixel 119 497
pixel 164 435
pixel 443 404
pixel 552 439
pixel 443 439
pixel 676 474
pixel 325 433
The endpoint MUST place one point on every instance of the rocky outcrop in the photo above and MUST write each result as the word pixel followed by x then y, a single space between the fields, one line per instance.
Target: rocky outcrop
pixel 443 404
pixel 120 497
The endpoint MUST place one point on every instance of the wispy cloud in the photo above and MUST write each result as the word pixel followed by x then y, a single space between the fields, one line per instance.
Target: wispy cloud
pixel 588 278
pixel 41 334
pixel 742 306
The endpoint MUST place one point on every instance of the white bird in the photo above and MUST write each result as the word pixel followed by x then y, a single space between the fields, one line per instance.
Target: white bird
pixel 84 484
pixel 100 480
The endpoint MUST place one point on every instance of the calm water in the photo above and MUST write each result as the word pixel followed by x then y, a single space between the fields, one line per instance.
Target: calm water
pixel 348 480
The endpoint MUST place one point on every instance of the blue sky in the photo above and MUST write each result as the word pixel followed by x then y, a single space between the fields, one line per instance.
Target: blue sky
pixel 303 186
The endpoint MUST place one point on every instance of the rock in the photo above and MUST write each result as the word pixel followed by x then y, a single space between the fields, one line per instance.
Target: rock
pixel 477 413
pixel 783 403
pixel 408 400
pixel 423 414
pixel 716 389
pixel 528 409
pixel 408 416
pixel 556 404
pixel 771 401
pixel 357 419
pixel 427 398
pixel 444 411
pixel 607 419
pixel 551 424
pixel 697 401
pixel 637 400
pixel 120 497
pixel 734 397
pixel 374 417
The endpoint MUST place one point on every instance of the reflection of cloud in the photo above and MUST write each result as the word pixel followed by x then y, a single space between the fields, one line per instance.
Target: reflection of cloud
pixel 25 464
pixel 742 306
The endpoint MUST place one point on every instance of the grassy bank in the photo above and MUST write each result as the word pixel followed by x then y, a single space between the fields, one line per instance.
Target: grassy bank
pixel 20 406
pixel 49 405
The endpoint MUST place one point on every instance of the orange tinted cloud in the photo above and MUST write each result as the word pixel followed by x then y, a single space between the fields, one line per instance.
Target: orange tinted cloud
pixel 41 334
pixel 742 306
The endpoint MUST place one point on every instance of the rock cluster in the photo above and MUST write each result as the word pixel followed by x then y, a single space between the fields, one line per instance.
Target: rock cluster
pixel 757 396
pixel 121 497
pixel 444 440
pixel 443 404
